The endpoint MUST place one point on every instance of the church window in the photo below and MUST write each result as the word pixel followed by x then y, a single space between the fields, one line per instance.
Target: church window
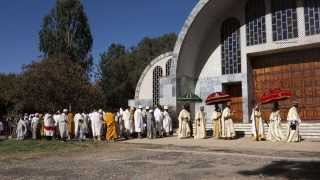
pixel 312 17
pixel 255 22
pixel 284 19
pixel 157 74
pixel 230 46
pixel 168 67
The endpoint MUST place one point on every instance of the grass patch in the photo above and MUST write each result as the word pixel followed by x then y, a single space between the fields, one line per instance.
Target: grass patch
pixel 8 147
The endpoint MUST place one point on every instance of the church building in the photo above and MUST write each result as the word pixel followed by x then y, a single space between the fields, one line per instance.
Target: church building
pixel 243 48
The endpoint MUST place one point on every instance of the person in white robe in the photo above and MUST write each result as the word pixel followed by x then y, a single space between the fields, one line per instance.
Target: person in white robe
pixel 126 120
pixel 21 129
pixel 167 121
pixel 216 117
pixel 138 121
pixel 85 123
pixel 257 124
pixel 49 126
pixel 274 133
pixel 200 123
pixel 184 120
pixel 77 117
pixel 158 116
pixel 96 124
pixel 1 127
pixel 63 125
pixel 294 122
pixel 56 118
pixel 227 127
pixel 35 122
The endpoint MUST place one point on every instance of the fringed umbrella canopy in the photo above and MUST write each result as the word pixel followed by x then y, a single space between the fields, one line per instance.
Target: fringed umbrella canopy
pixel 274 95
pixel 189 97
pixel 217 97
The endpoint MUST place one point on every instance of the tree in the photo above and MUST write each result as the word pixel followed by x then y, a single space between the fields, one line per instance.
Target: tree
pixel 66 33
pixel 9 88
pixel 121 68
pixel 53 84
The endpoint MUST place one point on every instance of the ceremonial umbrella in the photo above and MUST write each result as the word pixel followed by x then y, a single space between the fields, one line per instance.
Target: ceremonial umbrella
pixel 217 97
pixel 274 95
pixel 189 97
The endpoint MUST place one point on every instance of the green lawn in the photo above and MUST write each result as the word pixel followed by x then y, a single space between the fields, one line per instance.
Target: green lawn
pixel 8 147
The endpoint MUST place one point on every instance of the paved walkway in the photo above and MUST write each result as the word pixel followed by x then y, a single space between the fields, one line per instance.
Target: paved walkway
pixel 245 143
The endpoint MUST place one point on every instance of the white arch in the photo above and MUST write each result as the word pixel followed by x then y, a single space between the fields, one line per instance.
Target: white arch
pixel 146 70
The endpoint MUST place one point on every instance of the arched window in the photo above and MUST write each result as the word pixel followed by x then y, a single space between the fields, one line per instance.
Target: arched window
pixel 284 19
pixel 312 16
pixel 168 67
pixel 157 74
pixel 230 46
pixel 255 22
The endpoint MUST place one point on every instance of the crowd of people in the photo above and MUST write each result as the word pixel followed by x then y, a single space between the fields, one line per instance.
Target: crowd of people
pixel 146 122
pixel 99 125
pixel 223 127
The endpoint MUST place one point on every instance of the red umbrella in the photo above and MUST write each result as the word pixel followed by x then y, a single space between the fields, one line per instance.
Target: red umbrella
pixel 217 97
pixel 273 95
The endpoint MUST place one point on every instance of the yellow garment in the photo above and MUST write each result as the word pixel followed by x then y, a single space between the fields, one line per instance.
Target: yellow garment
pixel 70 125
pixel 216 116
pixel 111 126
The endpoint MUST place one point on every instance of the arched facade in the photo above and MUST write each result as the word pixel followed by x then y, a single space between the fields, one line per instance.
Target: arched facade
pixel 198 54
pixel 148 90
pixel 244 47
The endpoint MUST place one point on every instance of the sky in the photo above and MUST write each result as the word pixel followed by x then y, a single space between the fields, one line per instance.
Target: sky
pixel 111 21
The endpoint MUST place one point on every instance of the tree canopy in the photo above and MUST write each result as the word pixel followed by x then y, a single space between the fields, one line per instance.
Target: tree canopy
pixel 66 32
pixel 121 67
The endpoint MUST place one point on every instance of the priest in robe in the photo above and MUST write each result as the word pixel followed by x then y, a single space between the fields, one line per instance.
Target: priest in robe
pixel 257 125
pixel 184 119
pixel 274 133
pixel 200 124
pixel 167 121
pixel 151 124
pixel 227 127
pixel 70 125
pixel 138 121
pixel 110 122
pixel 49 126
pixel 21 129
pixel 158 115
pixel 294 122
pixel 63 126
pixel 126 121
pixel 216 117
pixel 77 118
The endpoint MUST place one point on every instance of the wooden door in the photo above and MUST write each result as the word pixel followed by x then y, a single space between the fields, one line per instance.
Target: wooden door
pixel 299 73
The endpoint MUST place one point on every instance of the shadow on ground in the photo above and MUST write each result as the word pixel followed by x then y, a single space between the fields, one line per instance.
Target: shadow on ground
pixel 288 169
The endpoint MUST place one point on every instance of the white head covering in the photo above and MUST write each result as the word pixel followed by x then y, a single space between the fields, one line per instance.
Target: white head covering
pixel 139 107
pixel 65 110
pixel 147 107
pixel 166 107
pixel 100 111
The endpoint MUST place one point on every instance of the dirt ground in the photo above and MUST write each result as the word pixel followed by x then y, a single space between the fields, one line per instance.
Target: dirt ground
pixel 138 159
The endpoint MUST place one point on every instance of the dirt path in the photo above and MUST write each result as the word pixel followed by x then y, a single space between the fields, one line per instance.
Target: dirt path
pixel 149 161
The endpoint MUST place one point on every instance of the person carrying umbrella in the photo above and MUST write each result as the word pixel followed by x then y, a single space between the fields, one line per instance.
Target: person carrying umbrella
pixel 275 133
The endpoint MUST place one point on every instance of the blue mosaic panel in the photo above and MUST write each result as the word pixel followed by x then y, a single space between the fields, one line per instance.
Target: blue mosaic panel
pixel 312 16
pixel 255 22
pixel 157 74
pixel 230 47
pixel 168 67
pixel 284 19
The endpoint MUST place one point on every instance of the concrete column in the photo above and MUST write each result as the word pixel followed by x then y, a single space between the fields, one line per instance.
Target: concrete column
pixel 301 19
pixel 268 22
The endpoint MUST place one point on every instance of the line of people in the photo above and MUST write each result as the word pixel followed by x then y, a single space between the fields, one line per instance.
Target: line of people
pixel 223 127
pixel 126 124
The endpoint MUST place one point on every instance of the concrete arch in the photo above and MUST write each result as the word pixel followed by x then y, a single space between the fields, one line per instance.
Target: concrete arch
pixel 147 69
